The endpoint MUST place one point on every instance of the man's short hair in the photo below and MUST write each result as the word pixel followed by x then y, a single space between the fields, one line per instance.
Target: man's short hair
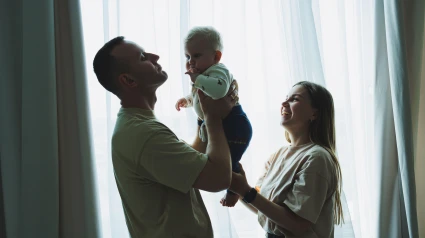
pixel 210 34
pixel 107 67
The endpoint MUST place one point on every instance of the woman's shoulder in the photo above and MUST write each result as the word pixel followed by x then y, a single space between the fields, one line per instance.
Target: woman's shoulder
pixel 316 150
pixel 319 158
pixel 281 150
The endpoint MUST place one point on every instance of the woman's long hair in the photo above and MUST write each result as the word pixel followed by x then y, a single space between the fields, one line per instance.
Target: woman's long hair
pixel 322 132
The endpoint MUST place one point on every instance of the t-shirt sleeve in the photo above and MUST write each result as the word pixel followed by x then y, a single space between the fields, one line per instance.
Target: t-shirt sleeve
pixel 189 99
pixel 265 170
pixel 310 189
pixel 172 162
pixel 215 81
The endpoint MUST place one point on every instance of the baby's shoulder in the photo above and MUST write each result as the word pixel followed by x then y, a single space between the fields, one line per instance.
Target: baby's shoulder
pixel 218 67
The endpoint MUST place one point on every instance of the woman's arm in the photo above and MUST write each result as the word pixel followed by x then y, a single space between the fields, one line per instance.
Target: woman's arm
pixel 249 206
pixel 280 214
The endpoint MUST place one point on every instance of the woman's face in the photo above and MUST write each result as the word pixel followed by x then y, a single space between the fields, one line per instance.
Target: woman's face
pixel 296 110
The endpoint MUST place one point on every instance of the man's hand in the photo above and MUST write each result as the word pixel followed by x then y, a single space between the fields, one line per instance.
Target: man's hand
pixel 219 108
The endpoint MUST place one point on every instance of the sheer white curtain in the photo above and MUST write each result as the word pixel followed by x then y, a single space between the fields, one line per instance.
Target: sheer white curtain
pixel 268 46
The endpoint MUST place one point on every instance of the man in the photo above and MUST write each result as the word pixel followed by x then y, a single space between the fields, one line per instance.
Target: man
pixel 158 175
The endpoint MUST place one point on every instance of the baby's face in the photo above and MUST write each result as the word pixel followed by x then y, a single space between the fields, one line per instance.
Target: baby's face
pixel 199 54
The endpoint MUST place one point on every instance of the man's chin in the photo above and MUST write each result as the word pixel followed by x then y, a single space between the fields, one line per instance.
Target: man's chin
pixel 164 77
pixel 164 74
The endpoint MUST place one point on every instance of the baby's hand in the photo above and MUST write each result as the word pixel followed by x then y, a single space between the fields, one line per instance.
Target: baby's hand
pixel 182 102
pixel 193 73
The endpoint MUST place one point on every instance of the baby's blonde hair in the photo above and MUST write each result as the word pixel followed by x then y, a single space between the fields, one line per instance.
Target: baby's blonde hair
pixel 209 33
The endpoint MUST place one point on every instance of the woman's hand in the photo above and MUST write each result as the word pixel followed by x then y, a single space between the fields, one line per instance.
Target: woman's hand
pixel 239 183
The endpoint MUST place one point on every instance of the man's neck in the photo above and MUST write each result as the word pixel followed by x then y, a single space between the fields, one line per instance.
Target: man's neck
pixel 142 102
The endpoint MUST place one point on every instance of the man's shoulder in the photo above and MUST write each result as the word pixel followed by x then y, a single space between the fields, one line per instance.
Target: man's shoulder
pixel 136 123
pixel 135 127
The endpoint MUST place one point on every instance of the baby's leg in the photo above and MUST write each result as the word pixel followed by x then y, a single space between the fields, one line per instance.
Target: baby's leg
pixel 238 130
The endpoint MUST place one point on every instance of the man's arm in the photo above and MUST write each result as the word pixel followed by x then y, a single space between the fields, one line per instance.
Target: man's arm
pixel 198 144
pixel 217 173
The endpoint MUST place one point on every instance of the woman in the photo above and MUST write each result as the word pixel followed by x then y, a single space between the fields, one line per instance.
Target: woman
pixel 299 192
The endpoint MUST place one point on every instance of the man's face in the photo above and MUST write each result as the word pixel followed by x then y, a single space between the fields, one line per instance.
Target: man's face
pixel 144 72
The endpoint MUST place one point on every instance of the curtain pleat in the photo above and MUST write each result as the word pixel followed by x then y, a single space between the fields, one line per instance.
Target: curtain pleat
pixel 398 190
pixel 78 204
pixel 47 177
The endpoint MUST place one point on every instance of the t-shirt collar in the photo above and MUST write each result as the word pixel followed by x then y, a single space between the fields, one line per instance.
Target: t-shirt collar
pixel 137 111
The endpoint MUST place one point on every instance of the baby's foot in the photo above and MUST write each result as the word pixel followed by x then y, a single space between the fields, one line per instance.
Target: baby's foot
pixel 229 200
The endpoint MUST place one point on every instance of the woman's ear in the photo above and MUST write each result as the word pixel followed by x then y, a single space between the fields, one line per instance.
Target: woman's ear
pixel 314 116
pixel 127 81
pixel 217 56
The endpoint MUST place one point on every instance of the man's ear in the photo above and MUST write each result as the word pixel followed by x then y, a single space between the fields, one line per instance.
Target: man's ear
pixel 217 56
pixel 126 80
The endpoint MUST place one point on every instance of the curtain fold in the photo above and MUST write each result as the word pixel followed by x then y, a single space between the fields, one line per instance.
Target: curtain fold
pixel 399 34
pixel 47 177
pixel 414 34
pixel 10 119
pixel 384 140
pixel 78 204
pixel 2 209
pixel 39 187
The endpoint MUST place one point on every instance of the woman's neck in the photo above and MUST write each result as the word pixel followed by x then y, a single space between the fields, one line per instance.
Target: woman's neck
pixel 300 138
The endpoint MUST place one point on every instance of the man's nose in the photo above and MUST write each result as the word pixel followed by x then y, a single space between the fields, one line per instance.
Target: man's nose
pixel 154 57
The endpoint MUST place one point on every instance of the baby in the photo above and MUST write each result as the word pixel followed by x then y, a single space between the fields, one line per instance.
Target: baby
pixel 203 49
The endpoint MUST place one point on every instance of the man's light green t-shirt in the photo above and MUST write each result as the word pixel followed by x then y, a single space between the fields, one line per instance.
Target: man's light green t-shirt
pixel 155 173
